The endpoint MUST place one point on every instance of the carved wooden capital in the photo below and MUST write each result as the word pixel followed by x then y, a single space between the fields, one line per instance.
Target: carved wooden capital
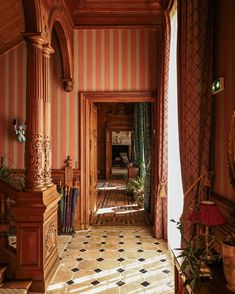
pixel 47 50
pixel 68 84
pixel 33 39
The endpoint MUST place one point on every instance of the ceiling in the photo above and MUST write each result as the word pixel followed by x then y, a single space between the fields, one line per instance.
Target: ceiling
pixel 84 13
pixel 11 24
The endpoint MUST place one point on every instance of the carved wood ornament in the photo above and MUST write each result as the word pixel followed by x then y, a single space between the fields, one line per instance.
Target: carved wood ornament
pixel 36 206
pixel 40 19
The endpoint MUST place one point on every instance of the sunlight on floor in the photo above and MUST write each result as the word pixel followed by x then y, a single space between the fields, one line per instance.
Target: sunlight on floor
pixel 110 188
pixel 113 260
pixel 120 209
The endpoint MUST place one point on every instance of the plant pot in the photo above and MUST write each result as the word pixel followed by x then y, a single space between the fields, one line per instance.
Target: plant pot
pixel 140 203
pixel 229 265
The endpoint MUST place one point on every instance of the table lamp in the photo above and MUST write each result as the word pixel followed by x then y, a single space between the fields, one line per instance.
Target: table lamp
pixel 208 215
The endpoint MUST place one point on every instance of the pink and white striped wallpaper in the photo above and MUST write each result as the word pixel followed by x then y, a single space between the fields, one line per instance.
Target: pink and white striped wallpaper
pixel 104 60
pixel 12 103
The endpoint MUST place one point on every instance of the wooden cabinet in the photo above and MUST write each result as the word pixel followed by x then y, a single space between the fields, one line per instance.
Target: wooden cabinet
pixel 133 172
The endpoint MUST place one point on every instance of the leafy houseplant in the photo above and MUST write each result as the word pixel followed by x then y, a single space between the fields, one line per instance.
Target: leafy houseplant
pixel 135 186
pixel 228 249
pixel 195 257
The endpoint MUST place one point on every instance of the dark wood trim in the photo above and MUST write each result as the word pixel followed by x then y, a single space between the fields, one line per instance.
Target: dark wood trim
pixel 140 96
pixel 117 12
pixel 58 175
pixel 224 200
pixel 150 27
pixel 227 206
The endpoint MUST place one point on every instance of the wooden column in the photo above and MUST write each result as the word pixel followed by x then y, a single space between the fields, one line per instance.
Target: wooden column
pixel 46 51
pixel 34 146
pixel 36 207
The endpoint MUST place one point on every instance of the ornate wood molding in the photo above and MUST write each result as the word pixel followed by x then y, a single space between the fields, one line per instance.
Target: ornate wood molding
pixel 40 18
pixel 101 12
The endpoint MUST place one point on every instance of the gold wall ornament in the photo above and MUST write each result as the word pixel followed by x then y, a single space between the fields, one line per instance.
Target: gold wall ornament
pixel 231 150
pixel 162 190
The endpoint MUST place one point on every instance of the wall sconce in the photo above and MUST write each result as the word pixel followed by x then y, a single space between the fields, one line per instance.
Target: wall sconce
pixel 19 130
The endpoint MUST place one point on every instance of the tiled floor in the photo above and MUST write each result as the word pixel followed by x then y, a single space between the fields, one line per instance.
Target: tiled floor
pixel 115 260
pixel 117 207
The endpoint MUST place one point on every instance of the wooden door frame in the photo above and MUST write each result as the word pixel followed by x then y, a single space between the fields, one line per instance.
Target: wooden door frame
pixel 85 98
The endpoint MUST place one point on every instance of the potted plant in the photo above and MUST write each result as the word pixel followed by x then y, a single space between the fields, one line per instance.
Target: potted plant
pixel 228 249
pixel 135 186
pixel 195 257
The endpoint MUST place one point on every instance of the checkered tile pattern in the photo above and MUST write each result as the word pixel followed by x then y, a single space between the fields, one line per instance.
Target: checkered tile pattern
pixel 115 260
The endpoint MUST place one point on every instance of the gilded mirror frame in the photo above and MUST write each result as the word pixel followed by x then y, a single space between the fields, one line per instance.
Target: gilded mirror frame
pixel 231 150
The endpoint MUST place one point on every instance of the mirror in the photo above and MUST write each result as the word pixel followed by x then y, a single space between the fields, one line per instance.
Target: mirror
pixel 231 150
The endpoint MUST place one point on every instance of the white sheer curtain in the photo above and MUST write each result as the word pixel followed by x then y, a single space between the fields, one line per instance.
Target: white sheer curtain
pixel 175 190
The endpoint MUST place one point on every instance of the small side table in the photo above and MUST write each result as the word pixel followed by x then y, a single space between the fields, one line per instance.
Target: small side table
pixel 133 172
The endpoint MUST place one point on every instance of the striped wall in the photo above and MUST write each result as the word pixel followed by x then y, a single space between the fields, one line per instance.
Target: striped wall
pixel 115 59
pixel 104 60
pixel 12 104
pixel 107 60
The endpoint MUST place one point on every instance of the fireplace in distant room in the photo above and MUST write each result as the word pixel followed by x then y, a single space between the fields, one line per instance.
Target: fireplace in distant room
pixel 117 149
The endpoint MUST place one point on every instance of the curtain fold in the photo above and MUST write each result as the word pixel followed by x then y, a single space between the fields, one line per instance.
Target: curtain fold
pixel 142 147
pixel 160 223
pixel 194 94
pixel 147 155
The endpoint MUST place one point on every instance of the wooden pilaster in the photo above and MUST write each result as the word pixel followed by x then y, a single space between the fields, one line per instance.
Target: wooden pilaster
pixel 34 146
pixel 46 51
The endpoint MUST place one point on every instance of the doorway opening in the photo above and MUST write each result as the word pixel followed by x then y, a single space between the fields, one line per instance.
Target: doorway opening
pixel 114 143
pixel 121 152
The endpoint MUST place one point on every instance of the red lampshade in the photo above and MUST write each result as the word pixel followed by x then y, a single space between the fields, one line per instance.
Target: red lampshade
pixel 208 214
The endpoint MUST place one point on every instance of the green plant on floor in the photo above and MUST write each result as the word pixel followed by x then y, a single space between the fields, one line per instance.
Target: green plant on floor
pixel 135 186
pixel 195 256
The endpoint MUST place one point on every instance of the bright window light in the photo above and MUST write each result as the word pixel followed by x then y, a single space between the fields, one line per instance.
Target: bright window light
pixel 175 191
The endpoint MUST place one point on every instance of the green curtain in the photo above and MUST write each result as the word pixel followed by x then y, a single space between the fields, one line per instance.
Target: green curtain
pixel 142 146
